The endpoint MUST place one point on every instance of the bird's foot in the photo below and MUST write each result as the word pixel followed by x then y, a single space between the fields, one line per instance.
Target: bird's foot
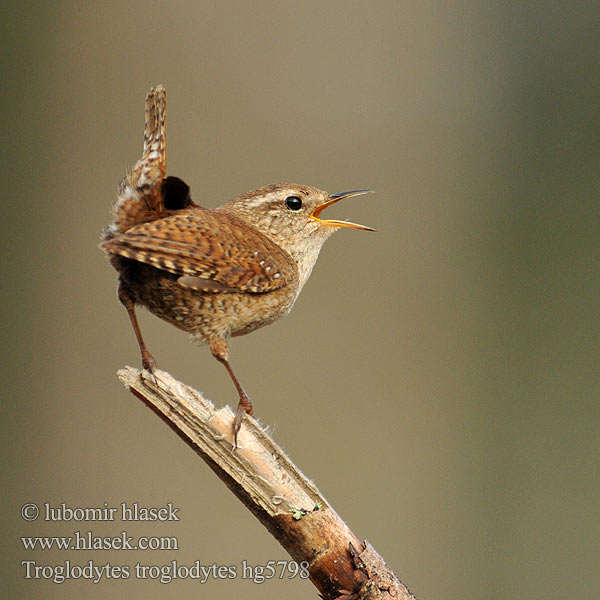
pixel 149 364
pixel 244 407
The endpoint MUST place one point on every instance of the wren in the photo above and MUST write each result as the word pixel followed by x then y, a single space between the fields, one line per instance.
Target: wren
pixel 215 273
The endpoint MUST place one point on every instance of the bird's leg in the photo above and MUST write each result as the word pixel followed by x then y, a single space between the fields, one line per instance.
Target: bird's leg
pixel 220 350
pixel 148 361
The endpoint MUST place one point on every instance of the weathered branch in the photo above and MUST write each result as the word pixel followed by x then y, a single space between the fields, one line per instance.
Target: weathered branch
pixel 260 474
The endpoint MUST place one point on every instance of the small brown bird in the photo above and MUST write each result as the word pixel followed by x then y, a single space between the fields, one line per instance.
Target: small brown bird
pixel 214 273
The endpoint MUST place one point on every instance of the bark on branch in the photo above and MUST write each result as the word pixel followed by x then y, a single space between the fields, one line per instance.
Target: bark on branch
pixel 262 476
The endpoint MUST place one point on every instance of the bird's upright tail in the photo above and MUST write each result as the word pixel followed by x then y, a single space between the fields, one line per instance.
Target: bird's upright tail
pixel 151 168
pixel 140 197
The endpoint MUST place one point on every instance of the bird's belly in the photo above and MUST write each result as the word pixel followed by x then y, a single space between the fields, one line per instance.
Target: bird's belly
pixel 204 314
pixel 253 311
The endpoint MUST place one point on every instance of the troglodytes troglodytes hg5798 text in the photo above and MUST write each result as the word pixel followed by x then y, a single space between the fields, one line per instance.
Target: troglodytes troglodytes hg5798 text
pixel 214 273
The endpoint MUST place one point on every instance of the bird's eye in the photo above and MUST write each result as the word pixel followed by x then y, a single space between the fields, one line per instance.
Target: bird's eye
pixel 293 202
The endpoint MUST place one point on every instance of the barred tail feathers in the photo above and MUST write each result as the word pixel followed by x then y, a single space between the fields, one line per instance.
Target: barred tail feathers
pixel 153 164
pixel 140 197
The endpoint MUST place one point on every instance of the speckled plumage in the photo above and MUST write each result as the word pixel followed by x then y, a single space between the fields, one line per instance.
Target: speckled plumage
pixel 214 273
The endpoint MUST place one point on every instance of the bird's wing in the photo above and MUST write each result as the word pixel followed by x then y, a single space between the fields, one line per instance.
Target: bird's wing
pixel 210 250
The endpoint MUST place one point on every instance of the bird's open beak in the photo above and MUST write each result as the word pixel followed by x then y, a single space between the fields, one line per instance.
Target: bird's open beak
pixel 333 198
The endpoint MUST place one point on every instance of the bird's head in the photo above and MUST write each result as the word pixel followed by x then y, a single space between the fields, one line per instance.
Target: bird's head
pixel 291 215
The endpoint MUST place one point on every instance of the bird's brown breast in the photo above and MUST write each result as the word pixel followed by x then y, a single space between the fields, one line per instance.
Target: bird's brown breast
pixel 206 272
pixel 205 314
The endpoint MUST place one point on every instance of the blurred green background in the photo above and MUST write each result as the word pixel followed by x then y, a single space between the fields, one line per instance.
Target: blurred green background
pixel 438 379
